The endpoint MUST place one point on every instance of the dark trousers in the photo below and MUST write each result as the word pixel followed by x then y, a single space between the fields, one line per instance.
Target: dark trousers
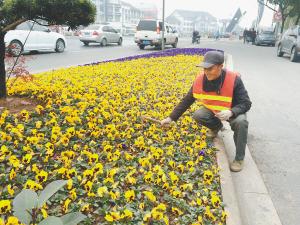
pixel 239 126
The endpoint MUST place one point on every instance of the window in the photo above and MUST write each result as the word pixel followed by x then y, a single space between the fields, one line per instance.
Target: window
pixel 149 25
pixel 92 27
pixel 112 30
pixel 161 26
pixel 296 31
pixel 105 29
pixel 23 26
pixel 38 27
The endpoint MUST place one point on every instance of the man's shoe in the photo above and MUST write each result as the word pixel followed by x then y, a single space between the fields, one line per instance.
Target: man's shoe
pixel 236 166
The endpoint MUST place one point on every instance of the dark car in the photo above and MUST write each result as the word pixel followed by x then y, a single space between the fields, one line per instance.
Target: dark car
pixel 265 38
pixel 290 44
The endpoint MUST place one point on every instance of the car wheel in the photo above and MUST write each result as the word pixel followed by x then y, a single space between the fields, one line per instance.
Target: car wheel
pixel 86 43
pixel 15 48
pixel 60 46
pixel 175 44
pixel 104 42
pixel 279 51
pixel 120 41
pixel 142 46
pixel 293 57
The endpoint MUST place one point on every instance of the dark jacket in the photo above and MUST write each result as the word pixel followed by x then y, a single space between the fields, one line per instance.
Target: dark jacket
pixel 240 103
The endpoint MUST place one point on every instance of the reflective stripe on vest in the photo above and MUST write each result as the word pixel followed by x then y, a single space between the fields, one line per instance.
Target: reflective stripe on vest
pixel 212 100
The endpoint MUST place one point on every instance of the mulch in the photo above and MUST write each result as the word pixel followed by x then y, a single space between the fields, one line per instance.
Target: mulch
pixel 17 104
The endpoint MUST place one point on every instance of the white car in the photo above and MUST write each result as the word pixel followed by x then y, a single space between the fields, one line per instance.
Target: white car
pixel 41 38
pixel 98 33
pixel 149 32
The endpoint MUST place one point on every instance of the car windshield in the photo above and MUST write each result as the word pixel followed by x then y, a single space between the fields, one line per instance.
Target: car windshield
pixel 149 25
pixel 92 27
pixel 267 33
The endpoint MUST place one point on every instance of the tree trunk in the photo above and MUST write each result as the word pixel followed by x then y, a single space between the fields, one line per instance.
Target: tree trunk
pixel 282 25
pixel 3 91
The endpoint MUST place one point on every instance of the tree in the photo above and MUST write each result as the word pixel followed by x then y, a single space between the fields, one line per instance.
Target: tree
pixel 295 11
pixel 14 12
pixel 285 7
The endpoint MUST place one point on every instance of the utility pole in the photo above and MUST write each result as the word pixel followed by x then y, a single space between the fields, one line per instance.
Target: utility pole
pixel 163 27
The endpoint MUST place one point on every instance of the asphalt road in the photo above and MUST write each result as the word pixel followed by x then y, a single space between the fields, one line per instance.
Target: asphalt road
pixel 273 84
pixel 78 54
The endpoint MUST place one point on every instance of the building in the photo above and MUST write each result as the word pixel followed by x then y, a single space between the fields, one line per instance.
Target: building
pixel 121 15
pixel 101 10
pixel 186 21
pixel 149 10
pixel 108 10
pixel 130 18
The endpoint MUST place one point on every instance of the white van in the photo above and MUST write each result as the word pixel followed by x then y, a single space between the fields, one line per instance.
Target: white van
pixel 149 32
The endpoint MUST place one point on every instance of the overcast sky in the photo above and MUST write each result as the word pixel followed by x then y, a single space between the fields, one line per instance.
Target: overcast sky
pixel 222 9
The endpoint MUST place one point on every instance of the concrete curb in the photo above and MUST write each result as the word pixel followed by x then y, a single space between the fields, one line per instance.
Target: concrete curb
pixel 227 186
pixel 253 200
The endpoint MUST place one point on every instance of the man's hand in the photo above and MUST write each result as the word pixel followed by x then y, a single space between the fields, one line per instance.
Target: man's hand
pixel 224 115
pixel 166 122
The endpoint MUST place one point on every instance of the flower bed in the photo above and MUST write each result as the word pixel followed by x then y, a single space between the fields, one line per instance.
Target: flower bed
pixel 120 169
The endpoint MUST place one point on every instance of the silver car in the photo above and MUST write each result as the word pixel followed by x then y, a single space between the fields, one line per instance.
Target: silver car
pixel 290 44
pixel 103 34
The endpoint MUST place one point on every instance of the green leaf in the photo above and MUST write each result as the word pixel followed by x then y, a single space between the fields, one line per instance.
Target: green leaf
pixel 23 216
pixel 50 190
pixel 73 218
pixel 25 201
pixel 51 220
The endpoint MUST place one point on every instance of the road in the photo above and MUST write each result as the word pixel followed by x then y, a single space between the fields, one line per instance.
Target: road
pixel 274 124
pixel 78 54
pixel 273 84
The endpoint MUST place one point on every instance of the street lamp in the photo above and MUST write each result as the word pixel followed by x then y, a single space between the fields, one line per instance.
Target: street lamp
pixel 163 27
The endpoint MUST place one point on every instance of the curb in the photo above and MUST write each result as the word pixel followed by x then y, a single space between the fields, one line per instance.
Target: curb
pixel 227 186
pixel 254 203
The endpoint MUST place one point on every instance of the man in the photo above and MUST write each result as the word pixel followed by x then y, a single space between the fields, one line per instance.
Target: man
pixel 245 33
pixel 222 97
pixel 195 36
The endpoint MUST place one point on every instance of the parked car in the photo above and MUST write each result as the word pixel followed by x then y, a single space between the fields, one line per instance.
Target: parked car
pixel 100 33
pixel 149 32
pixel 265 38
pixel 290 44
pixel 40 38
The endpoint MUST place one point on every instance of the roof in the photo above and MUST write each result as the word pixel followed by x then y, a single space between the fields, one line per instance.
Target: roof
pixel 129 5
pixel 193 15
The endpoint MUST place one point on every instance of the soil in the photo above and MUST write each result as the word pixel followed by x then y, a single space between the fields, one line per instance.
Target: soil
pixel 17 104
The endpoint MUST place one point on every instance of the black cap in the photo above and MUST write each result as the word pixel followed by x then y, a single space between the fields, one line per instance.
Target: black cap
pixel 212 58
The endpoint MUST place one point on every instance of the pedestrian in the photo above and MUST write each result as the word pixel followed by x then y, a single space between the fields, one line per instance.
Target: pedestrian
pixel 222 97
pixel 253 36
pixel 196 37
pixel 217 35
pixel 245 33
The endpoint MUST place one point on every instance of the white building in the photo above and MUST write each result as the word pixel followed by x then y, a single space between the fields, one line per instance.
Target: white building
pixel 130 18
pixel 121 15
pixel 185 22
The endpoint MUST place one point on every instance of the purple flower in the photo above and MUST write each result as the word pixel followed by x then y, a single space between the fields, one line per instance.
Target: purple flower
pixel 201 153
pixel 169 52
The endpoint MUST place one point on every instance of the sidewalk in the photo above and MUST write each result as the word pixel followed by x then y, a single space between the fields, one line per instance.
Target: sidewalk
pixel 245 195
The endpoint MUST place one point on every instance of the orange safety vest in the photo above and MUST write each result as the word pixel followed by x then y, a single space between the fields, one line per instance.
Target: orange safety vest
pixel 212 100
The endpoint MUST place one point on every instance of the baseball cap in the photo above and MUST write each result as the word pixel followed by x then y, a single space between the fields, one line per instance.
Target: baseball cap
pixel 212 58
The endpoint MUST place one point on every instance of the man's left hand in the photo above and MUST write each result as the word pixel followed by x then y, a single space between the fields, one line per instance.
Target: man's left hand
pixel 224 115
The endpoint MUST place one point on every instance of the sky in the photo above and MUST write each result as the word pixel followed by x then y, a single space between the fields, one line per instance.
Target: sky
pixel 221 9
